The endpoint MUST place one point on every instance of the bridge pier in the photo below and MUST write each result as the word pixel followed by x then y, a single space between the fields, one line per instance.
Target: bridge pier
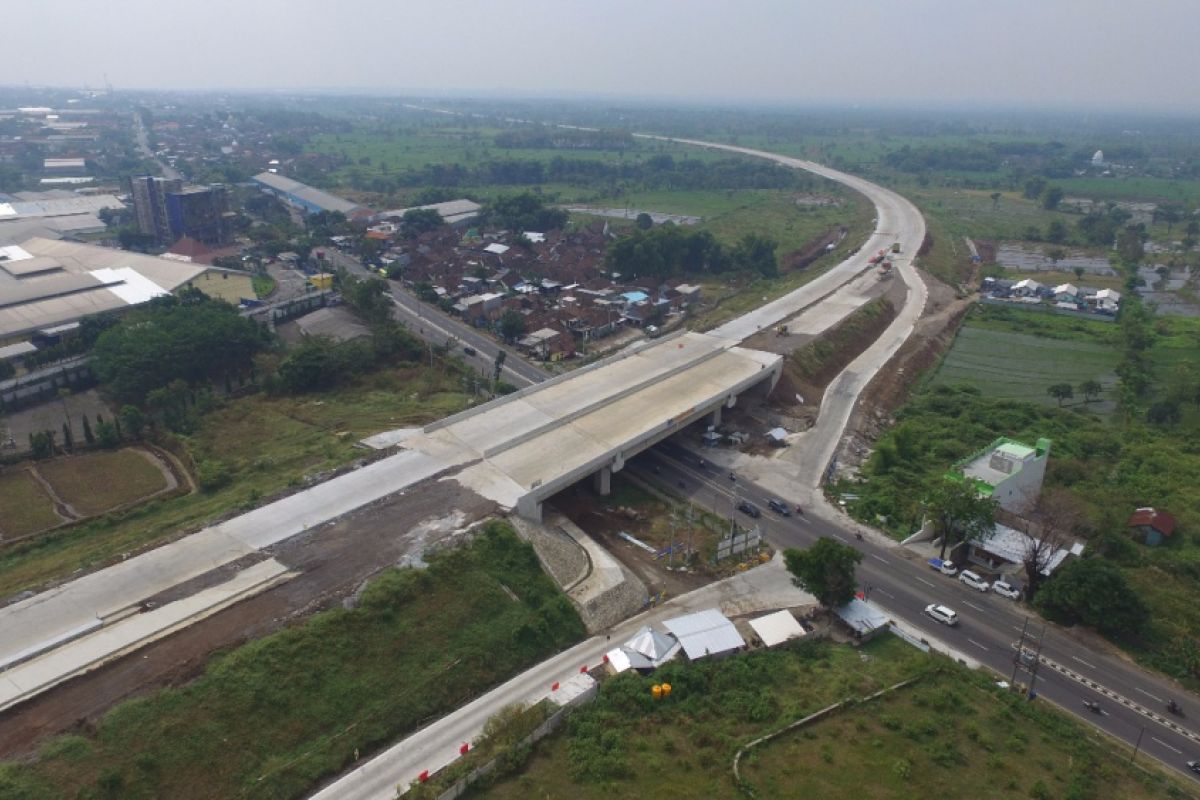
pixel 602 480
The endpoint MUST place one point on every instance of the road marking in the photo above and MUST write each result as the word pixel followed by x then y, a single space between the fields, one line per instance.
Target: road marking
pixel 885 593
pixel 972 605
pixel 927 583
pixel 977 644
pixel 881 558
pixel 839 538
pixel 1017 628
pixel 1151 696
pixel 1164 744
pixel 1081 661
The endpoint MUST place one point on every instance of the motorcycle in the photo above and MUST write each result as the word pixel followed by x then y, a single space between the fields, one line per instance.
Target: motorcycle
pixel 1092 706
pixel 1175 708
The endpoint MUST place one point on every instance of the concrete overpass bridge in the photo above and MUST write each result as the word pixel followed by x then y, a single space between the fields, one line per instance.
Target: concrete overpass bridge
pixel 521 449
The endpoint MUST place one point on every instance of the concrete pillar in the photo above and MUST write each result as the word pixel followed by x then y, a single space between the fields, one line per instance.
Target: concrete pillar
pixel 603 481
pixel 530 508
pixel 715 419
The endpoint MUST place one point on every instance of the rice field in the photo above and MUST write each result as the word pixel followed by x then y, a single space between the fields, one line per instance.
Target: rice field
pixel 1019 366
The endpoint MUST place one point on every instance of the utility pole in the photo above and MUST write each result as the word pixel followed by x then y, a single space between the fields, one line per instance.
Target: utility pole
pixel 688 554
pixel 1138 746
pixel 1028 659
pixel 671 541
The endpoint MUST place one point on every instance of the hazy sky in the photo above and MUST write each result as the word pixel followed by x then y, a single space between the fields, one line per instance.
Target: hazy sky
pixel 1095 53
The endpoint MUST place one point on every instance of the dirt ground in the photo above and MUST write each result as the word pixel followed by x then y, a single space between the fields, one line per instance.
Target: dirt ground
pixel 644 517
pixel 334 561
pixel 933 336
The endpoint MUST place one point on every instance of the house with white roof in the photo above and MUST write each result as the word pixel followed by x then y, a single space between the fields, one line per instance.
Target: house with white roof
pixel 1027 287
pixel 1008 471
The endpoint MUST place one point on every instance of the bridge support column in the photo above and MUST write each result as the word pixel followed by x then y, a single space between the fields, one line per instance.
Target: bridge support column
pixel 603 481
pixel 714 419
pixel 530 508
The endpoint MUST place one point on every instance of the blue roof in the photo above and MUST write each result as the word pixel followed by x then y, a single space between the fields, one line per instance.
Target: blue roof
pixel 635 297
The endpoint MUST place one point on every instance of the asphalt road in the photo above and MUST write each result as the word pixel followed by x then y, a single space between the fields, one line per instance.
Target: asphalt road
pixel 436 328
pixel 903 585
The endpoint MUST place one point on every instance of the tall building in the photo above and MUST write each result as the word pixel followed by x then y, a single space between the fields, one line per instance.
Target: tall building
pixel 198 212
pixel 150 204
pixel 168 211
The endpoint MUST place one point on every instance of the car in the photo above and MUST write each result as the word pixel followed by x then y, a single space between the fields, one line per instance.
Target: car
pixel 779 508
pixel 469 350
pixel 1006 589
pixel 749 509
pixel 942 614
pixel 1194 766
pixel 973 580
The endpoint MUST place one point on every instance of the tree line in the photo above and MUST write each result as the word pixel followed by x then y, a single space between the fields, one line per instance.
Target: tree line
pixel 674 250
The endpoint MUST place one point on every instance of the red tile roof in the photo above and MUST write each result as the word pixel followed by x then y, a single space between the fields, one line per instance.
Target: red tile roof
pixel 1161 521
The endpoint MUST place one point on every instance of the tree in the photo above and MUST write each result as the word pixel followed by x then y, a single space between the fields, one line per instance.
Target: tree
pixel 107 434
pixel 1051 197
pixel 1060 518
pixel 996 200
pixel 1090 390
pixel 825 570
pixel 419 220
pixel 88 436
pixel 1078 273
pixel 1170 213
pixel 501 354
pixel 959 513
pixel 132 421
pixel 1095 593
pixel 1055 254
pixel 756 253
pixel 1061 392
pixel 512 324
pixel 1034 188
pixel 644 221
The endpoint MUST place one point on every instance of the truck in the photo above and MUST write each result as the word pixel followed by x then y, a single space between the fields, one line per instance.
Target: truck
pixel 944 567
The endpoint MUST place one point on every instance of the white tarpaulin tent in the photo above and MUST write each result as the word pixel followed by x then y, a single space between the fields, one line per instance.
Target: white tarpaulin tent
pixel 777 628
pixel 647 649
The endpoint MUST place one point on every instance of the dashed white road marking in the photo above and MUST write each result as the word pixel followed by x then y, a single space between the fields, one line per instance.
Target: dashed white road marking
pixel 879 557
pixel 1151 696
pixel 977 644
pixel 1164 744
pixel 927 583
pixel 1081 661
pixel 885 593
pixel 972 605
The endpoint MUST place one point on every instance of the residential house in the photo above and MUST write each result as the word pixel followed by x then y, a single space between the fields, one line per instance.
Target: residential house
pixel 1150 526
pixel 1066 293
pixel 1027 287
pixel 1007 471
pixel 1006 549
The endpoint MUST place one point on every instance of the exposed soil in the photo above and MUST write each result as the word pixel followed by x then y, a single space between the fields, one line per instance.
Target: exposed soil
pixel 598 517
pixel 334 560
pixel 889 389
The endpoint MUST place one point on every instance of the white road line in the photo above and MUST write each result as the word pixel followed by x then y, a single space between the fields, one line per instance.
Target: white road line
pixel 1017 628
pixel 977 644
pixel 927 583
pixel 972 605
pixel 885 593
pixel 881 558
pixel 840 538
pixel 1164 744
pixel 1081 661
pixel 1151 696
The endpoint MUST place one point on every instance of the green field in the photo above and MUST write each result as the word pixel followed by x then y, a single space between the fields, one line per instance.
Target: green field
pixel 92 483
pixel 1018 366
pixel 953 734
pixel 27 507
pixel 261 445
pixel 271 718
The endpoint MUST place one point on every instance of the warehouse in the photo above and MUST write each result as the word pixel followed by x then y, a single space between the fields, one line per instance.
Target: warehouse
pixel 307 198
pixel 46 283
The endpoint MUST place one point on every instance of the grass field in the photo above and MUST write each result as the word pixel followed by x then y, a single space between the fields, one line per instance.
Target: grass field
pixel 92 483
pixel 272 717
pixel 227 286
pixel 263 444
pixel 27 507
pixel 951 735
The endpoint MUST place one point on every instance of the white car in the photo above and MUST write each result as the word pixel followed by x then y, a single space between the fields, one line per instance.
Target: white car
pixel 942 614
pixel 1006 589
pixel 974 581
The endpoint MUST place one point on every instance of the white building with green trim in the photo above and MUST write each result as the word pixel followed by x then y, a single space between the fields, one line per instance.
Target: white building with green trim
pixel 1008 471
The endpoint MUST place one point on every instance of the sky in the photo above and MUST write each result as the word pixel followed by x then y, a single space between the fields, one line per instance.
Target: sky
pixel 1057 54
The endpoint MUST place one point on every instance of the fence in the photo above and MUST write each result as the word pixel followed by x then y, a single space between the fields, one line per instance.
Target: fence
pixel 733 545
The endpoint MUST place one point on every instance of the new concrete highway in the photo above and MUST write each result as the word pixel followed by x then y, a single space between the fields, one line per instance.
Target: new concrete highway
pixel 1133 700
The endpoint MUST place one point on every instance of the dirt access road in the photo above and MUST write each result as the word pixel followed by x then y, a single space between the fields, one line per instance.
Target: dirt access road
pixel 333 560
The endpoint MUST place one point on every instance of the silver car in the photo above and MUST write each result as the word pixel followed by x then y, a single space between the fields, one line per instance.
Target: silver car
pixel 1006 589
pixel 974 581
pixel 942 614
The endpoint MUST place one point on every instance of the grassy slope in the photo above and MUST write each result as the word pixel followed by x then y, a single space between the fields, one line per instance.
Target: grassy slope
pixel 957 736
pixel 274 716
pixel 266 444
pixel 95 482
pixel 26 506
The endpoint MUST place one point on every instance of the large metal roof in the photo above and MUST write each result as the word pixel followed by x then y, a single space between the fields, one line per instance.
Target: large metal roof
pixel 302 191
pixel 45 282
pixel 705 633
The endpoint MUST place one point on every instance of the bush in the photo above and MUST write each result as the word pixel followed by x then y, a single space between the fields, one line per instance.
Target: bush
pixel 1095 593
pixel 212 475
